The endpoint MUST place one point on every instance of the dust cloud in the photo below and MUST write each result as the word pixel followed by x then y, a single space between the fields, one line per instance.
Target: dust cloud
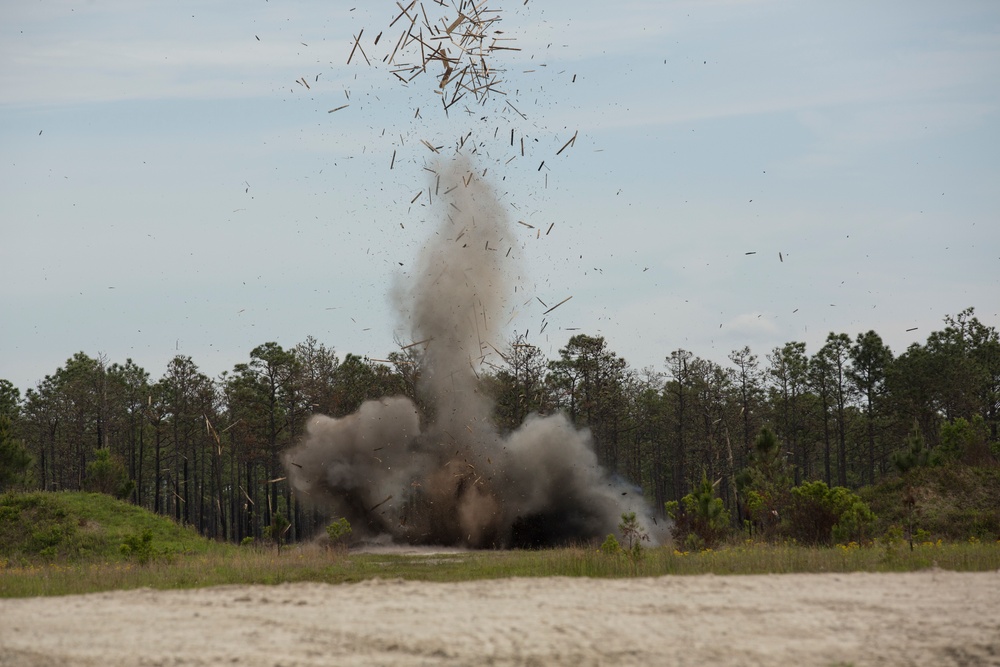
pixel 448 477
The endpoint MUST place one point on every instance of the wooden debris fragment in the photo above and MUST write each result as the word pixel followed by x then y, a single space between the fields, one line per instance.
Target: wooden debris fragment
pixel 376 506
pixel 419 342
pixel 557 305
pixel 402 13
pixel 572 140
pixel 459 42
pixel 357 42
pixel 518 112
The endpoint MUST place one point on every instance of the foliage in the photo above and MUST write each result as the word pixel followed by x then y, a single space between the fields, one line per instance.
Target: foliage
pixel 966 441
pixel 206 451
pixel 139 546
pixel 818 514
pixel 518 388
pixel 917 454
pixel 307 563
pixel 70 527
pixel 765 485
pixel 951 501
pixel 31 526
pixel 700 518
pixel 14 457
pixel 588 383
pixel 338 531
pixel 106 474
pixel 276 531
pixel 633 535
pixel 10 399
pixel 632 532
pixel 611 546
pixel 791 403
pixel 870 361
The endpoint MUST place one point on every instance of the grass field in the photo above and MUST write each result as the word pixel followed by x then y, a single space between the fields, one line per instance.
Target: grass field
pixel 68 543
pixel 308 563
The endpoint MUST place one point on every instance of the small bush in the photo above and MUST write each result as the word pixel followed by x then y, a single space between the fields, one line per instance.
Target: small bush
pixel 139 546
pixel 338 531
pixel 106 474
pixel 611 546
pixel 633 535
pixel 822 515
pixel 276 531
pixel 700 518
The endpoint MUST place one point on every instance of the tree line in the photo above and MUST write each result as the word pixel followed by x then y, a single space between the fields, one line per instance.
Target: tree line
pixel 206 451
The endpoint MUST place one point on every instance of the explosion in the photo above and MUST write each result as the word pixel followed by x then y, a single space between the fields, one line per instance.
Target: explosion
pixel 448 477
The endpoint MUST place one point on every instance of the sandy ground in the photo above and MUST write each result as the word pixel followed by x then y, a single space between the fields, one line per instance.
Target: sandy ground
pixel 925 618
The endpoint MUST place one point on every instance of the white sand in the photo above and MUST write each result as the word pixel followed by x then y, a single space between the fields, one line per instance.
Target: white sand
pixel 926 618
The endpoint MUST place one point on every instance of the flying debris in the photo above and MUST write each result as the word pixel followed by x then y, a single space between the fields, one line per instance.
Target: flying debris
pixel 444 475
pixel 572 140
pixel 557 305
pixel 456 47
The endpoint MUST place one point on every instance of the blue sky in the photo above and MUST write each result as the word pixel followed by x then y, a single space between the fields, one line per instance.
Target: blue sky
pixel 167 187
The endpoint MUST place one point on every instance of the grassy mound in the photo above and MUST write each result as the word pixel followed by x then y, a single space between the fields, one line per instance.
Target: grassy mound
pixel 73 526
pixel 951 502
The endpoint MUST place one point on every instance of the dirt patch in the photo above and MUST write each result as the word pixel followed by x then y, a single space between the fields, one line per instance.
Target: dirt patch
pixel 925 618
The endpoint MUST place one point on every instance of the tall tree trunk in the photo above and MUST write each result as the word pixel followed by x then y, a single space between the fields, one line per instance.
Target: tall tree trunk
pixel 827 463
pixel 841 445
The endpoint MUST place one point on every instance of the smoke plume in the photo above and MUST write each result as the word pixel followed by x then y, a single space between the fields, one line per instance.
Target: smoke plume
pixel 449 478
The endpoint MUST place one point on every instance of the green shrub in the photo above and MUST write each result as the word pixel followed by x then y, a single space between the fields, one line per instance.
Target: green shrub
pixel 966 441
pixel 818 514
pixel 611 546
pixel 917 454
pixel 338 531
pixel 277 530
pixel 106 474
pixel 950 501
pixel 700 518
pixel 764 485
pixel 633 535
pixel 139 546
pixel 71 526
pixel 15 461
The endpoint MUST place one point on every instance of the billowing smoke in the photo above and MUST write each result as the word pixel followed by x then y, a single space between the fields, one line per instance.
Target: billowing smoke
pixel 454 480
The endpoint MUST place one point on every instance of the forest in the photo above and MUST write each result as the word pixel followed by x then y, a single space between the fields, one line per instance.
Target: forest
pixel 206 451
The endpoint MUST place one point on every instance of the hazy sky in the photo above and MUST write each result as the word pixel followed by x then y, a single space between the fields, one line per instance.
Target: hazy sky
pixel 168 187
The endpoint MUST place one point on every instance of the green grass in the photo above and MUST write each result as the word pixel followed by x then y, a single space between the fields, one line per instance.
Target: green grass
pixel 310 563
pixel 952 501
pixel 45 527
pixel 69 543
